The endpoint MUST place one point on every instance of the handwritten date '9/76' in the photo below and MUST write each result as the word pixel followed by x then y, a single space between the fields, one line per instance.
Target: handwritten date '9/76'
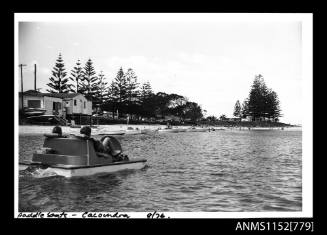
pixel 156 215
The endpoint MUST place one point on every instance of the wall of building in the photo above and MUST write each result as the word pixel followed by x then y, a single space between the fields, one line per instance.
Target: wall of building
pixel 68 104
pixel 81 102
pixel 48 105
pixel 88 109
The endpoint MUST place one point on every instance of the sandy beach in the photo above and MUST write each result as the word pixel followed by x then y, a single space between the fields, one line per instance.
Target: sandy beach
pixel 37 130
pixel 34 129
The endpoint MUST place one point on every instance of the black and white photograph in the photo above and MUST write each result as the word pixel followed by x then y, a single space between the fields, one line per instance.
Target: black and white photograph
pixel 175 115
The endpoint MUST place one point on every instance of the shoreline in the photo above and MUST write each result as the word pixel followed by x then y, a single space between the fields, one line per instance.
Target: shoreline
pixel 42 129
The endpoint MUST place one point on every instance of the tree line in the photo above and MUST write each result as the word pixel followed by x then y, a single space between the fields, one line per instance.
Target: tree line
pixel 124 94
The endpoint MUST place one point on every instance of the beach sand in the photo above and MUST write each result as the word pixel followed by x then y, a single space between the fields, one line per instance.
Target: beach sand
pixel 35 129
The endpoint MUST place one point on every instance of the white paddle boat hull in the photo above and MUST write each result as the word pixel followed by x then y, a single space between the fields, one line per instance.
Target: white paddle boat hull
pixel 73 171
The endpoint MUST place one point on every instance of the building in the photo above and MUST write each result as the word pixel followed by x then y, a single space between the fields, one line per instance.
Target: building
pixel 75 104
pixel 60 104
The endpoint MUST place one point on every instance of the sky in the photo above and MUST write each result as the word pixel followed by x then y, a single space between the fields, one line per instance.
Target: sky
pixel 211 62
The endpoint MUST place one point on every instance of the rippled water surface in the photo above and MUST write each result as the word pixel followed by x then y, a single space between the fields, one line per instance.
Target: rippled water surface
pixel 228 170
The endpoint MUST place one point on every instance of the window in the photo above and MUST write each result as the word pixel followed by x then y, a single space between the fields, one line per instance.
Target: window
pixel 56 106
pixel 84 104
pixel 75 102
pixel 34 103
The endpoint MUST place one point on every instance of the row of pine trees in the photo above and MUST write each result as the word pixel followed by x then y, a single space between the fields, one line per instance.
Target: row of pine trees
pixel 84 80
pixel 123 94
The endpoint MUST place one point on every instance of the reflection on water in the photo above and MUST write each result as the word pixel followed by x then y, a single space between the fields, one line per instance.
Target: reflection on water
pixel 211 171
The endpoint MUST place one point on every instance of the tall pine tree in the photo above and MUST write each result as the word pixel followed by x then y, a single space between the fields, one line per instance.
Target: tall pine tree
pixel 257 101
pixel 146 91
pixel 58 81
pixel 90 81
pixel 117 93
pixel 131 85
pixel 119 87
pixel 245 108
pixel 273 106
pixel 237 109
pixel 262 103
pixel 101 92
pixel 76 77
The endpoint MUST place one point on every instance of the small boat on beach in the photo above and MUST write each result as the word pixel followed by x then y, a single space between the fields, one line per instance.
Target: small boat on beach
pixel 132 131
pixel 197 129
pixel 168 130
pixel 117 132
pixel 77 156
pixel 148 131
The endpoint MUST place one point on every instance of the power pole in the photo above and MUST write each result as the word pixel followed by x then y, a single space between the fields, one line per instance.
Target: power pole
pixel 21 77
pixel 35 77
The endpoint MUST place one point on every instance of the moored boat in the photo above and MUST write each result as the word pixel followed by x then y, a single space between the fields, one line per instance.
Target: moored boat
pixel 117 132
pixel 168 130
pixel 148 131
pixel 181 129
pixel 197 130
pixel 132 131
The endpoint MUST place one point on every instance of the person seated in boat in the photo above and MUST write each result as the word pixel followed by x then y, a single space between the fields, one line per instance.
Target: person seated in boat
pixel 56 132
pixel 106 145
pixel 98 146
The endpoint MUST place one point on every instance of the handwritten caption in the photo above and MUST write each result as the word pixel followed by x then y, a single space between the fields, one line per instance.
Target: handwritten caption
pixel 90 215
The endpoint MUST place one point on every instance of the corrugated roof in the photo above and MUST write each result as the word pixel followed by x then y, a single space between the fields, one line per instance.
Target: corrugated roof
pixel 61 95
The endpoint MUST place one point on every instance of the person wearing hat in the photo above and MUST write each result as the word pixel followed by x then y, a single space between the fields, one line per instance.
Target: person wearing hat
pixel 86 132
pixel 98 146
pixel 57 131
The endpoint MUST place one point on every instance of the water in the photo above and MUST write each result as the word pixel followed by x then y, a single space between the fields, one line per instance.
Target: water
pixel 217 171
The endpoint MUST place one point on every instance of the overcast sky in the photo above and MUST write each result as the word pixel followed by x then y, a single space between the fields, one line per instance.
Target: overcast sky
pixel 210 62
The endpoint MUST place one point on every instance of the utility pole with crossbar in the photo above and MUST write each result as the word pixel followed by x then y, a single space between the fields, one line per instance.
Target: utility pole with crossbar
pixel 21 77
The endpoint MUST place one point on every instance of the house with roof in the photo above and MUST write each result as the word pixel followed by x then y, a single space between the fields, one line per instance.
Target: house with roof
pixel 61 104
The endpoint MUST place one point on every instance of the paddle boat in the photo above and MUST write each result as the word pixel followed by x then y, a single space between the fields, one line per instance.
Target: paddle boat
pixel 77 156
